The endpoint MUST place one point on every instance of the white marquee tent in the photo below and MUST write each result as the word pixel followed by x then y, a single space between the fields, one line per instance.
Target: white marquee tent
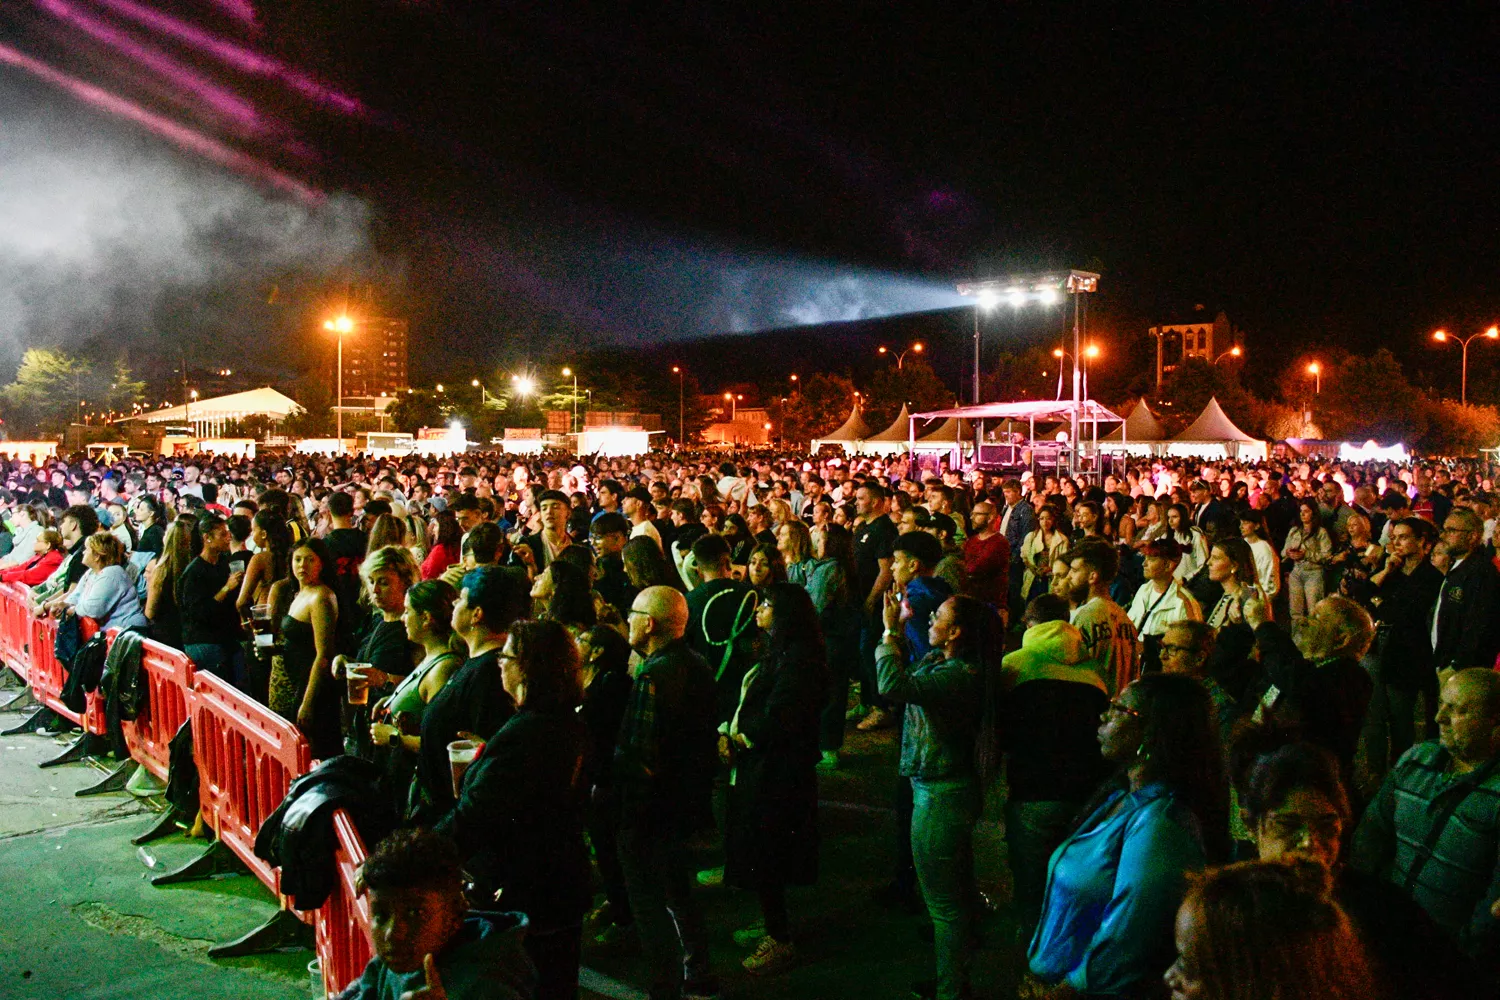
pixel 891 441
pixel 849 436
pixel 1214 435
pixel 209 416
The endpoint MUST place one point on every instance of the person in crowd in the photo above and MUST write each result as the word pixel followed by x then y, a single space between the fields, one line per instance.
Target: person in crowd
pixel 1267 929
pixel 150 523
pixel 1189 538
pixel 874 544
pixel 644 566
pixel 1161 600
pixel 1052 701
pixel 239 554
pixel 765 566
pixel 445 545
pixel 474 703
pixel 1209 515
pixel 25 527
pixel 827 574
pixel 427 620
pixel 1187 648
pixel 1231 565
pixel 950 568
pixel 1316 683
pixel 639 511
pixel 609 534
pixel 75 525
pixel 721 621
pixel 206 594
pixel 569 597
pixel 1039 550
pixel 921 592
pixel 386 530
pixel 1404 593
pixel 302 685
pixel 271 562
pixel 1267 564
pixel 1466 619
pixel 46 556
pixel 105 593
pixel 518 820
pixel 162 575
pixel 1293 802
pixel 347 545
pixel 771 745
pixel 1109 637
pixel 1433 829
pixel 663 773
pixel 385 655
pixel 948 745
pixel 428 944
pixel 1309 547
pixel 605 656
pixel 1359 557
pixel 1114 886
pixel 535 551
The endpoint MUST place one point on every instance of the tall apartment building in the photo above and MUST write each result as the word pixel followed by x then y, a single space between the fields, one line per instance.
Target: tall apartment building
pixel 375 358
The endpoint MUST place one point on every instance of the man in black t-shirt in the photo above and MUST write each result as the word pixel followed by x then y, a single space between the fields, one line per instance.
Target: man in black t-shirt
pixel 346 544
pixel 874 545
pixel 206 593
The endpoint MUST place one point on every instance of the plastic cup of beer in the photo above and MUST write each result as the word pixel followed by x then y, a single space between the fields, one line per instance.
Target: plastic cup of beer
pixel 461 754
pixel 260 613
pixel 357 685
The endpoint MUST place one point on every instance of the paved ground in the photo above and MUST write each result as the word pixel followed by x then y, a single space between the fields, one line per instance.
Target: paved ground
pixel 82 921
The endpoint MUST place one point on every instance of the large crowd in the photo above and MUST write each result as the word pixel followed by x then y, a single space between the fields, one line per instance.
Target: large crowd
pixel 1244 719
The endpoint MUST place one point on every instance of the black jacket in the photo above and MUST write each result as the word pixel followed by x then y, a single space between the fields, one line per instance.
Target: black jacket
pixel 665 758
pixel 298 837
pixel 1404 616
pixel 1327 701
pixel 1468 615
pixel 474 701
pixel 518 821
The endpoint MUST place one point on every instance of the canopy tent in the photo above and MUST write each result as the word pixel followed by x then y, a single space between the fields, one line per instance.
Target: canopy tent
pixel 1214 435
pixel 1030 410
pixel 1140 434
pixel 208 416
pixel 848 436
pixel 892 440
pixel 952 434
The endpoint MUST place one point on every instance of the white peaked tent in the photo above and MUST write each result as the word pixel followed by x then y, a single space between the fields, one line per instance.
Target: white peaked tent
pixel 947 436
pixel 1140 434
pixel 1214 435
pixel 208 416
pixel 848 436
pixel 892 440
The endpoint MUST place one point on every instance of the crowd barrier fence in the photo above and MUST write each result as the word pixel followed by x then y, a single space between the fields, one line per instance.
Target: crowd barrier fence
pixel 247 757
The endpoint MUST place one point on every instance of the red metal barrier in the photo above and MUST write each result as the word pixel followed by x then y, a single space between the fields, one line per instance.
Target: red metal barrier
pixel 47 675
pixel 169 686
pixel 247 757
pixel 15 629
pixel 343 924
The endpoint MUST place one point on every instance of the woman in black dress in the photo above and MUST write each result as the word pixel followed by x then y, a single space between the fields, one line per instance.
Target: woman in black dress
pixel 771 840
pixel 303 687
pixel 384 653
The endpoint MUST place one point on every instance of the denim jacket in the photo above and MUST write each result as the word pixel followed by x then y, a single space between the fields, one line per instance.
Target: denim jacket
pixel 943 704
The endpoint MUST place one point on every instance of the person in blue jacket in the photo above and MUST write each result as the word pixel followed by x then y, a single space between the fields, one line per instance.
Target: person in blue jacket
pixel 1114 886
pixel 428 944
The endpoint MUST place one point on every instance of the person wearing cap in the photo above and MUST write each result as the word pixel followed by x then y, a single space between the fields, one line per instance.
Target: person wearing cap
pixel 1209 515
pixel 639 510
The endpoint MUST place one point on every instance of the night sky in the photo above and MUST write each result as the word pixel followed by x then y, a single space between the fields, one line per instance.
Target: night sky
pixel 557 174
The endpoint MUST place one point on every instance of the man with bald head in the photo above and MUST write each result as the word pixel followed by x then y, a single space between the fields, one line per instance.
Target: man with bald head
pixel 664 767
pixel 1434 828
pixel 987 558
pixel 1465 621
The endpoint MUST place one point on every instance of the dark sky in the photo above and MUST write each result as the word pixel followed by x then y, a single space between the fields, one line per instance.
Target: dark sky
pixel 1323 171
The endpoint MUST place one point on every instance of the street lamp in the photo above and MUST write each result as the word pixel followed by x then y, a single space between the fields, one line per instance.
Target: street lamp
pixel 1316 371
pixel 677 370
pixel 733 401
pixel 1443 336
pixel 1233 352
pixel 339 326
pixel 523 385
pixel 915 348
pixel 569 373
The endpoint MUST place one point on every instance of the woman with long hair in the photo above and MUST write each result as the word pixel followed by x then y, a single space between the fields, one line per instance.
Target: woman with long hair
pixel 765 567
pixel 272 560
pixel 570 597
pixel 518 820
pixel 444 540
pixel 162 574
pixel 1265 929
pixel 427 620
pixel 384 655
pixel 387 530
pixel 1041 546
pixel 737 533
pixel 1189 537
pixel 1114 885
pixel 106 593
pixel 950 753
pixel 1231 565
pixel 302 685
pixel 1309 547
pixel 645 565
pixel 1267 565
pixel 605 655
pixel 771 744
pixel 830 583
pixel 46 556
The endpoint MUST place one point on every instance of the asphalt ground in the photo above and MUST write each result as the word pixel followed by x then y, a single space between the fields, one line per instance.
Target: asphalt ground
pixel 83 921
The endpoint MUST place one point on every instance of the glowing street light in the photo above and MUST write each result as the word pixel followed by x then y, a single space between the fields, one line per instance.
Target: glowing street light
pixel 1233 352
pixel 524 386
pixel 570 373
pixel 439 387
pixel 916 348
pixel 1443 336
pixel 1316 371
pixel 340 325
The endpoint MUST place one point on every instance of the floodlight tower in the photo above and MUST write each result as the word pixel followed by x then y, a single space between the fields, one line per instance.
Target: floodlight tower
pixel 1045 289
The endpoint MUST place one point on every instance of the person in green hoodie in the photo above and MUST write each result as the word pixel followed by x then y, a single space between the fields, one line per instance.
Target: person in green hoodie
pixel 428 944
pixel 1053 697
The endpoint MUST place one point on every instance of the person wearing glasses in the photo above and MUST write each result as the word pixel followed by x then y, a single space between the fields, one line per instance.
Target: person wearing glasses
pixel 1465 621
pixel 1114 885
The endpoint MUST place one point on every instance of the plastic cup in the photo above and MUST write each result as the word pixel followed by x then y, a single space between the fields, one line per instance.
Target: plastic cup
pixel 357 686
pixel 461 754
pixel 260 612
